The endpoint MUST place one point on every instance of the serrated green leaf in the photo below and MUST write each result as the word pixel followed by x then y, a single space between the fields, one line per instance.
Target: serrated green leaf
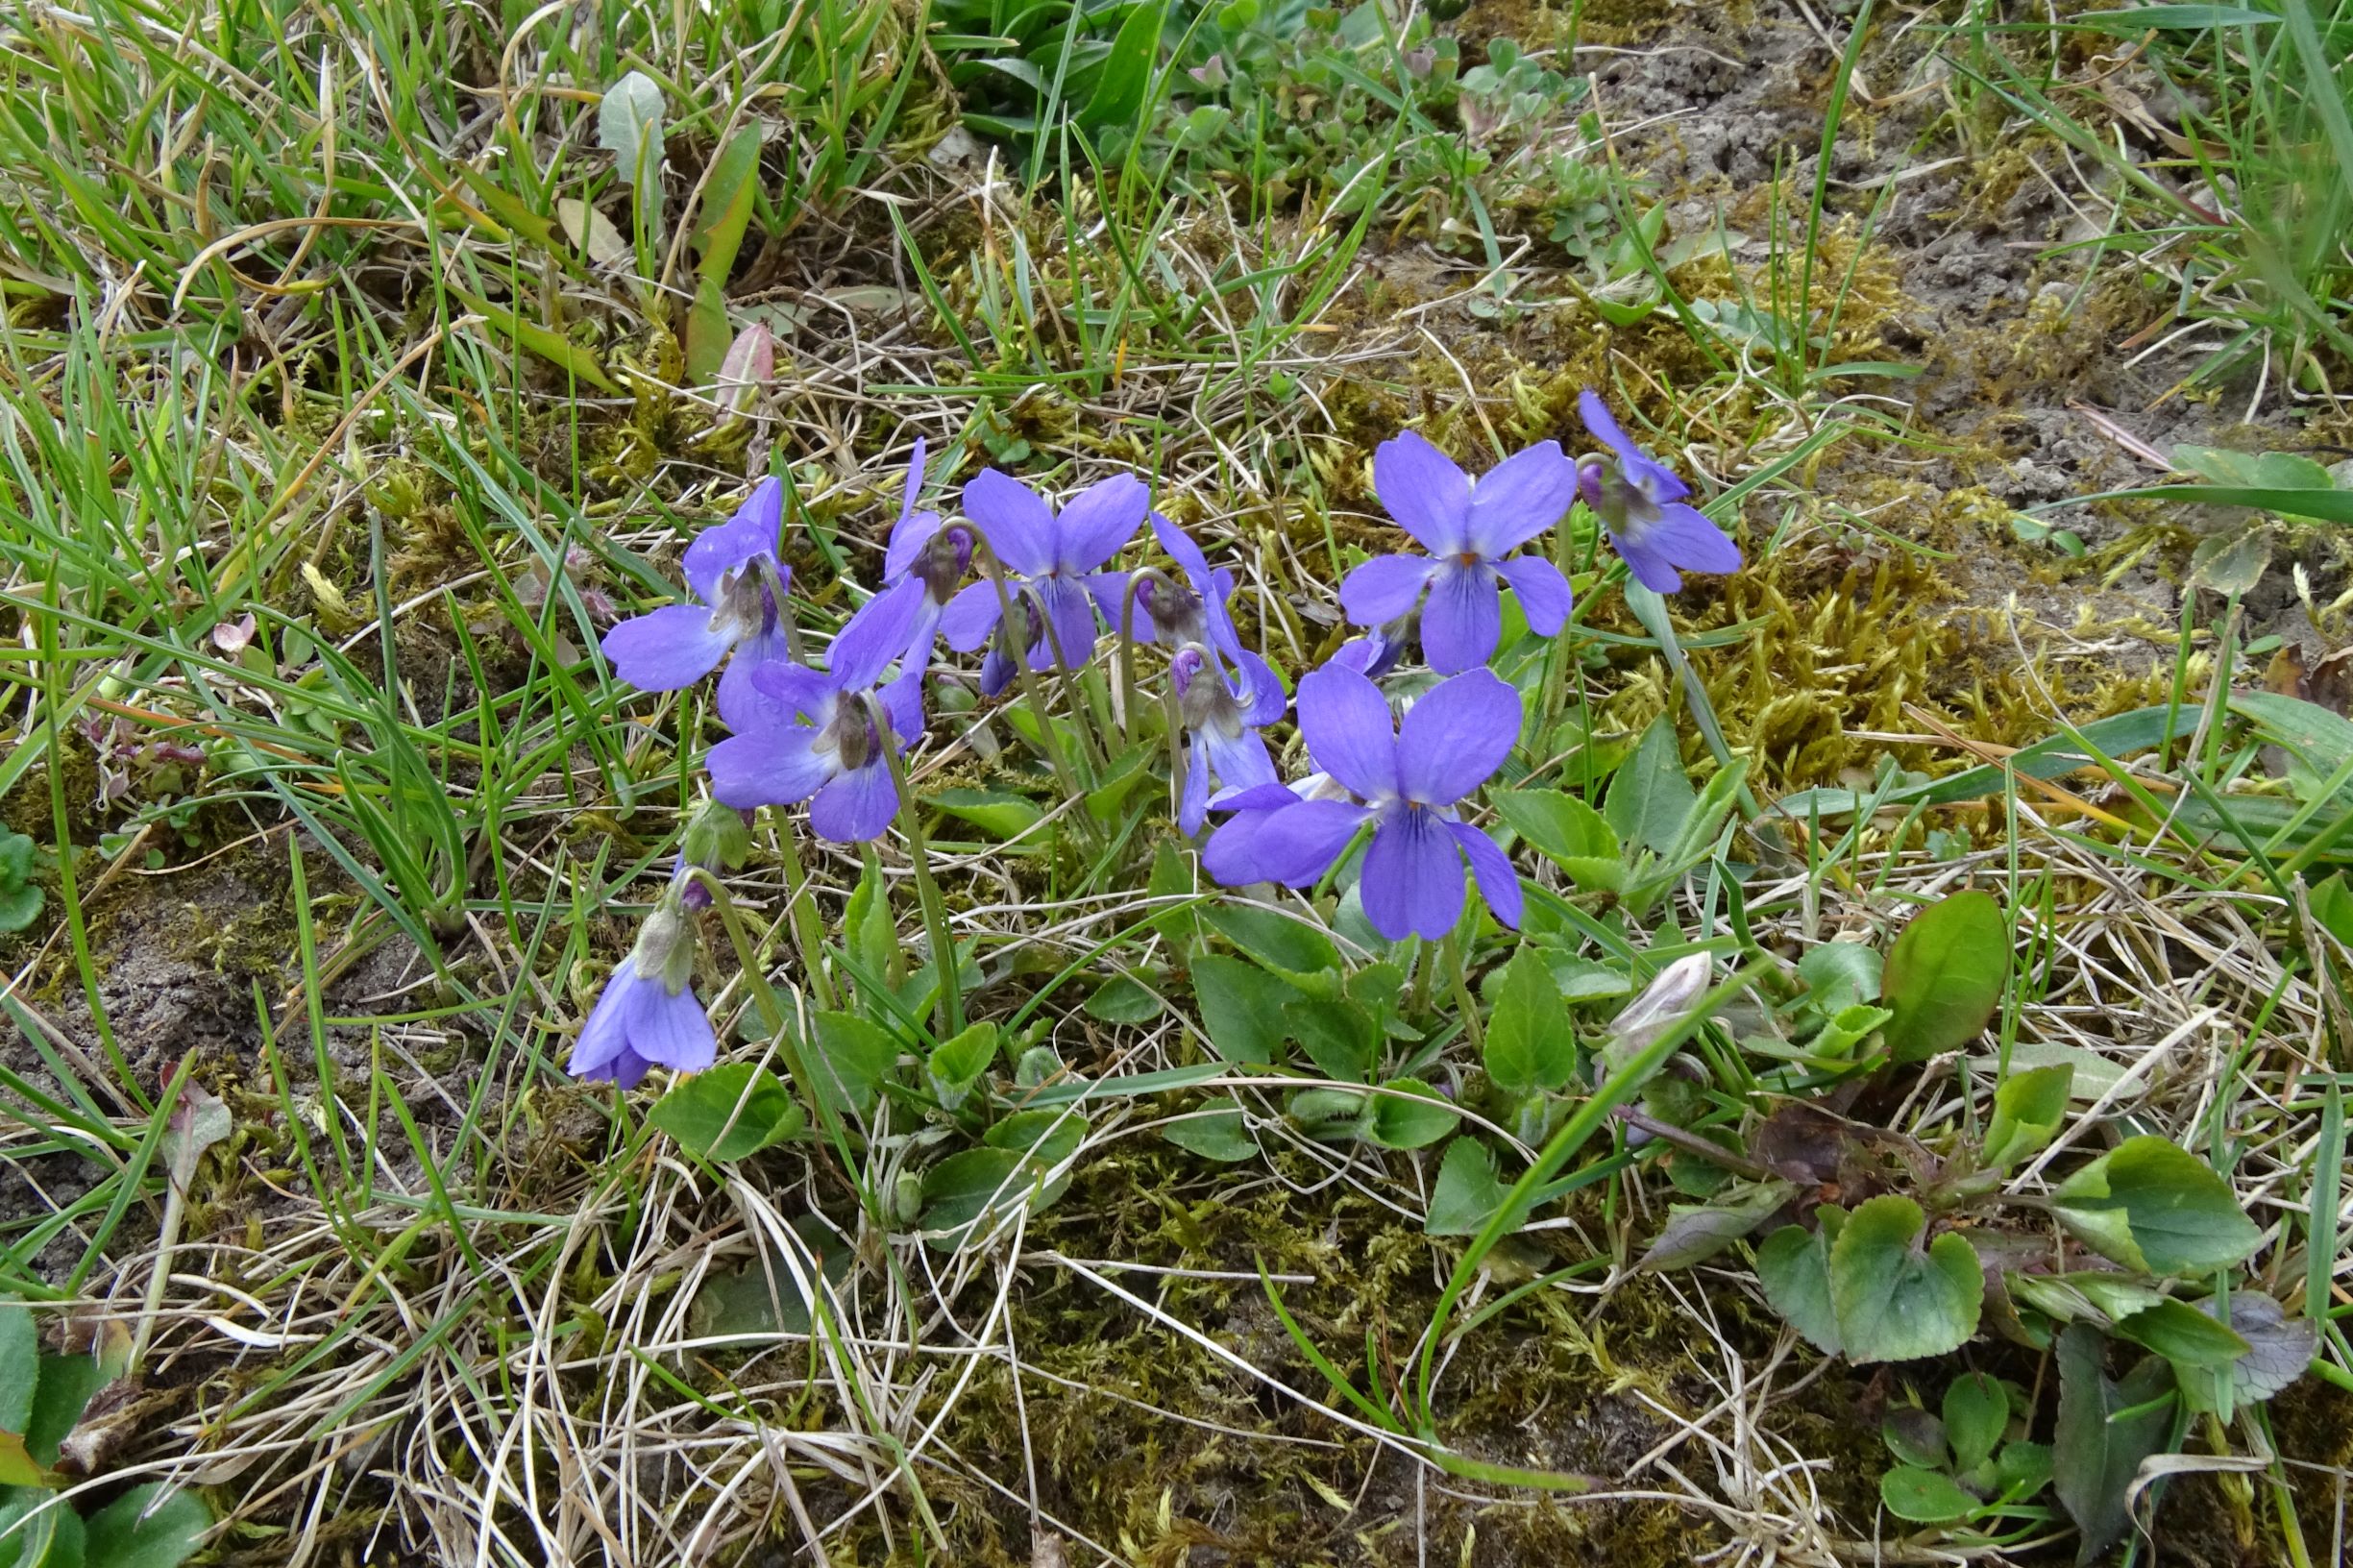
pixel 1241 1008
pixel 2151 1205
pixel 1945 975
pixel 1793 1264
pixel 1895 1302
pixel 1651 797
pixel 1530 1043
pixel 2023 1470
pixel 1467 1192
pixel 2183 1334
pixel 1558 827
pixel 1340 1038
pixel 852 1059
pixel 19 907
pixel 1839 975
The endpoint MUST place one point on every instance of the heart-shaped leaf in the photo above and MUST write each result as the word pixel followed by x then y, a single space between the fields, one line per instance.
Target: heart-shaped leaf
pixel 1794 1267
pixel 730 1111
pixel 1466 1194
pixel 1895 1300
pixel 1531 1043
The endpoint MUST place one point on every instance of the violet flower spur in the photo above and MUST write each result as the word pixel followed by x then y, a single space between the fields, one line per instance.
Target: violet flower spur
pixel 1470 531
pixel 928 561
pixel 649 1015
pixel 803 733
pixel 1059 558
pixel 1643 505
pixel 1410 779
pixel 1222 716
pixel 733 571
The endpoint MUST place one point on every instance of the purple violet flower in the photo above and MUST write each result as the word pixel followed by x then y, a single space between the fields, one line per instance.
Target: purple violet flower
pixel 803 733
pixel 1642 502
pixel 734 572
pixel 1223 715
pixel 1408 779
pixel 649 1015
pixel 1470 532
pixel 1193 611
pixel 928 561
pixel 1058 561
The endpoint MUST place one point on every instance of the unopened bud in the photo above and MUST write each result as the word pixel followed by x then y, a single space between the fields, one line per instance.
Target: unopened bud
pixel 1663 1005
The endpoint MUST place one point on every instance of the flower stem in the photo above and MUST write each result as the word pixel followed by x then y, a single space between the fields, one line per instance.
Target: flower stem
pixel 1466 1003
pixel 928 893
pixel 1047 736
pixel 806 934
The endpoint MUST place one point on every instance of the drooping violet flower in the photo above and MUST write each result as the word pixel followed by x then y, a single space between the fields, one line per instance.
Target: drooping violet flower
pixel 926 561
pixel 649 1015
pixel 1223 715
pixel 1470 531
pixel 1058 559
pixel 1642 503
pixel 1408 779
pixel 1377 652
pixel 734 572
pixel 1173 613
pixel 804 733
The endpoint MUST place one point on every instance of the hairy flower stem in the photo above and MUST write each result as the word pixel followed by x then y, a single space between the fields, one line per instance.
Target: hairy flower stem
pixel 1127 661
pixel 928 893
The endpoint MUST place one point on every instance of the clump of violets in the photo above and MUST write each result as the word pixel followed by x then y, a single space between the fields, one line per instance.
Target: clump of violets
pixel 1406 781
pixel 1645 508
pixel 823 736
pixel 649 1015
pixel 739 586
pixel 1470 531
pixel 1053 566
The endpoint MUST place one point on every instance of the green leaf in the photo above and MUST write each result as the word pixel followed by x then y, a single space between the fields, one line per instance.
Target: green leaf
pixel 1337 1036
pixel 1049 1136
pixel 2332 906
pixel 852 1058
pixel 1794 1267
pixel 1466 1194
pixel 956 1065
pixel 2315 505
pixel 1531 1041
pixel 2028 1109
pixel 2279 1348
pixel 1945 975
pixel 1895 1302
pixel 1286 946
pixel 2104 1430
pixel 2152 1205
pixel 1123 1000
pixel 968 1186
pixel 2183 1334
pixel 995 812
pixel 66 1385
pixel 1847 1028
pixel 1916 1437
pixel 20 1364
pixel 1241 1008
pixel 1977 1413
pixel 1693 1234
pixel 731 1111
pixel 629 127
pixel 39 1531
pixel 1839 975
pixel 2023 1470
pixel 1216 1131
pixel 1413 1117
pixel 147 1526
pixel 726 209
pixel 1119 92
pixel 1566 831
pixel 19 907
pixel 2133 21
pixel 2260 470
pixel 1651 797
pixel 16 1464
pixel 15 858
pixel 1925 1497
pixel 554 346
